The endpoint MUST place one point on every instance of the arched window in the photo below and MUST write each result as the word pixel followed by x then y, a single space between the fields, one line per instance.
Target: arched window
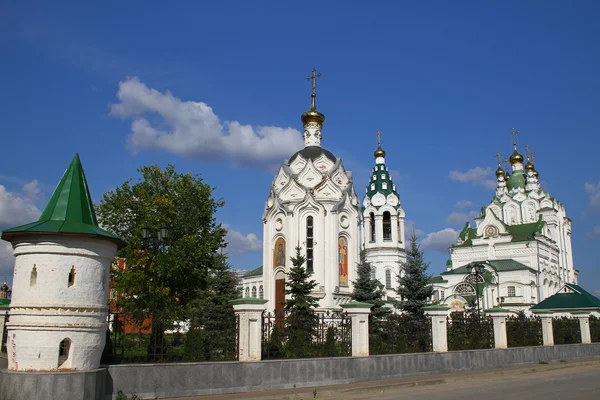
pixel 388 279
pixel 387 226
pixel 247 292
pixel 261 292
pixel 63 351
pixel 33 277
pixel 464 289
pixel 309 244
pixel 254 291
pixel 72 276
pixel 511 292
pixel 372 223
pixel 373 272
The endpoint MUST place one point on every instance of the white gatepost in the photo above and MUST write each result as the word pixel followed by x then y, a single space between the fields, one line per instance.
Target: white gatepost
pixel 439 327
pixel 547 333
pixel 359 317
pixel 499 319
pixel 584 325
pixel 249 313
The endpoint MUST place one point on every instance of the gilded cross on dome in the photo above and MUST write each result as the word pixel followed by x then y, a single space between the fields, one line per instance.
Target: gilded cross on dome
pixel 498 156
pixel 528 151
pixel 379 133
pixel 314 77
pixel 514 133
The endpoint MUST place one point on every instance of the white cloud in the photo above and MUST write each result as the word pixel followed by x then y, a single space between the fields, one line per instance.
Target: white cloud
pixel 191 129
pixel 459 219
pixel 7 261
pixel 594 233
pixel 409 228
pixel 16 209
pixel 238 243
pixel 439 241
pixel 593 190
pixel 32 189
pixel 464 204
pixel 475 176
pixel 395 175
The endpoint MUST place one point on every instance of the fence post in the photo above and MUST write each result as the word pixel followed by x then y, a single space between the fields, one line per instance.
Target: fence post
pixel 499 318
pixel 359 317
pixel 249 311
pixel 439 329
pixel 547 333
pixel 584 325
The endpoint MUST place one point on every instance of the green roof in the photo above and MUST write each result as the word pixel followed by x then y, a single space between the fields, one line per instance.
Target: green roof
pixel 380 176
pixel 254 272
pixel 498 265
pixel 519 233
pixel 69 211
pixel 437 279
pixel 516 180
pixel 569 297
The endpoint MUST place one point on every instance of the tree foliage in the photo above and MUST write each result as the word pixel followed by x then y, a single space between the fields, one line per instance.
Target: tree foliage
pixel 184 203
pixel 368 289
pixel 414 288
pixel 301 322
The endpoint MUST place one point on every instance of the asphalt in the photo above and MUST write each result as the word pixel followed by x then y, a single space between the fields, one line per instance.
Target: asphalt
pixel 560 380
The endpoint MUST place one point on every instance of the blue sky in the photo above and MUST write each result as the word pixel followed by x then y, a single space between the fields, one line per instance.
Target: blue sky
pixel 444 82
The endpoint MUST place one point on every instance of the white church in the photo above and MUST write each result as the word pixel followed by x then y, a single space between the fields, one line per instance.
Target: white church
pixel 522 239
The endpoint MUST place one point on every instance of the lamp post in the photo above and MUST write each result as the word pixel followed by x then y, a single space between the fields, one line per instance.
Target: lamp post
pixel 476 270
pixel 156 244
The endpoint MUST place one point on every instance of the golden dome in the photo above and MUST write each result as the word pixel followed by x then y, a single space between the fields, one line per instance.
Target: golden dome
pixel 516 157
pixel 529 166
pixel 536 174
pixel 313 115
pixel 379 153
pixel 499 172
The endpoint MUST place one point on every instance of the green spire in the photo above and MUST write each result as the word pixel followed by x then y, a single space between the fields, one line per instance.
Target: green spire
pixel 70 210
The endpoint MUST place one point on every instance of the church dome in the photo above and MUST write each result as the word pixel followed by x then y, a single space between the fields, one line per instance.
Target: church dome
pixel 516 157
pixel 499 172
pixel 516 180
pixel 529 166
pixel 312 115
pixel 312 153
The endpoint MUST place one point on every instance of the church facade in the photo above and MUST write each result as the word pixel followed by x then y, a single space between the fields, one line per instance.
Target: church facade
pixel 522 238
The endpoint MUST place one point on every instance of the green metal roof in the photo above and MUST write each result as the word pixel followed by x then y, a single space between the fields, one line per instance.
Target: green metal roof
pixel 69 211
pixel 519 233
pixel 569 297
pixel 437 279
pixel 254 272
pixel 516 180
pixel 498 265
pixel 381 175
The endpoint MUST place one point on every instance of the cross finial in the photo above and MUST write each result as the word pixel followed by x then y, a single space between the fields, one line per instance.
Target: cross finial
pixel 531 158
pixel 314 77
pixel 498 156
pixel 528 151
pixel 514 133
pixel 379 138
pixel 506 162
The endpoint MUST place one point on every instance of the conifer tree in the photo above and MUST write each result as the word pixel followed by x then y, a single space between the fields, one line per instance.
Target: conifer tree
pixel 301 322
pixel 369 290
pixel 414 288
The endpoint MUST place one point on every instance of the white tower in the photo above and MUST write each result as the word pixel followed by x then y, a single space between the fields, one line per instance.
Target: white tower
pixel 383 224
pixel 59 301
pixel 311 204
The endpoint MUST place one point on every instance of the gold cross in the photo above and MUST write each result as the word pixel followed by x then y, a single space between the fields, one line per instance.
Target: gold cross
pixel 513 133
pixel 531 158
pixel 506 164
pixel 528 151
pixel 498 156
pixel 379 138
pixel 314 77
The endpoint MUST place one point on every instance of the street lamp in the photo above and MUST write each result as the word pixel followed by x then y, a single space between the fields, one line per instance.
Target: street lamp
pixel 476 270
pixel 156 245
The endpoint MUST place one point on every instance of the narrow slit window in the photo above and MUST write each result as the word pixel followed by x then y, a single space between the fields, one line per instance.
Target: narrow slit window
pixel 261 292
pixel 33 278
pixel 72 276
pixel 388 279
pixel 372 223
pixel 63 351
pixel 254 291
pixel 309 244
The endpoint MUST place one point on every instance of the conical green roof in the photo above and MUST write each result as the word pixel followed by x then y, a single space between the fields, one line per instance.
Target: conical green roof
pixel 69 211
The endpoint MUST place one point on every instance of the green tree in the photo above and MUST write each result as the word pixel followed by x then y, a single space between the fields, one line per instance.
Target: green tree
pixel 414 288
pixel 184 203
pixel 369 290
pixel 301 322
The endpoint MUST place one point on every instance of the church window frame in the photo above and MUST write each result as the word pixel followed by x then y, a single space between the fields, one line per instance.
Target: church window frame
pixel 374 177
pixel 253 291
pixel 261 292
pixel 247 292
pixel 465 289
pixel 72 273
pixel 387 226
pixel 384 185
pixel 388 279
pixel 310 231
pixel 373 230
pixel 373 272
pixel 442 295
pixel 64 350
pixel 372 186
pixel 511 291
pixel 382 176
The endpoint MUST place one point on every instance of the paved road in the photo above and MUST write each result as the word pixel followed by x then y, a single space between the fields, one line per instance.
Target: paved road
pixel 565 381
pixel 568 383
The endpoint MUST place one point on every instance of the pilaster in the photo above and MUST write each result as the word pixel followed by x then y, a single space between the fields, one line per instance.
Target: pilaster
pixel 499 320
pixel 249 313
pixel 439 328
pixel 547 333
pixel 584 325
pixel 359 315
